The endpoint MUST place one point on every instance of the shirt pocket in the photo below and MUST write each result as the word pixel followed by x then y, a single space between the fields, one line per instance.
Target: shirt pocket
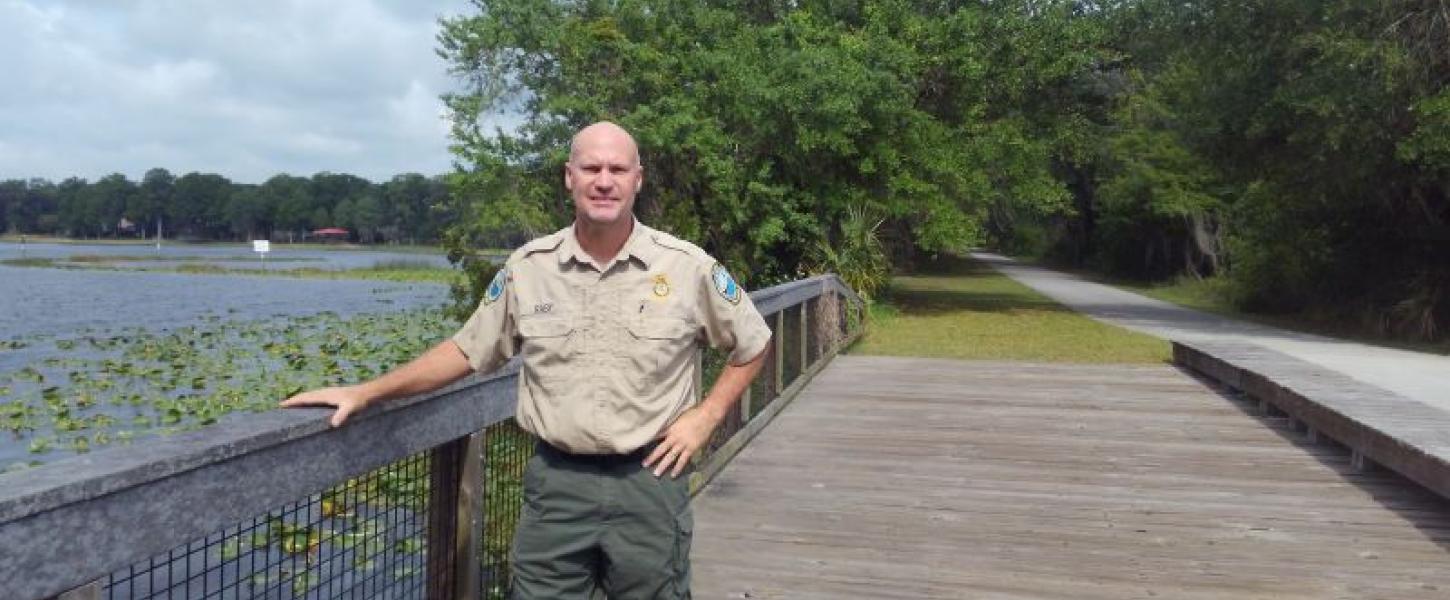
pixel 660 345
pixel 546 340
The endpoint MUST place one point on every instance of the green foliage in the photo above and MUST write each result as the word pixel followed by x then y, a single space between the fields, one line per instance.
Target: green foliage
pixel 856 255
pixel 1298 148
pixel 408 208
pixel 763 125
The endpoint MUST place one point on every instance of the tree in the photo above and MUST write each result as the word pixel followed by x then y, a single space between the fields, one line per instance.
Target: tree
pixel 152 202
pixel 12 194
pixel 107 200
pixel 290 200
pixel 199 203
pixel 247 212
pixel 764 126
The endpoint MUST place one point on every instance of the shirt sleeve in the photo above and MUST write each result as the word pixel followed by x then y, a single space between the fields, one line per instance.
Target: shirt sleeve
pixel 488 338
pixel 730 319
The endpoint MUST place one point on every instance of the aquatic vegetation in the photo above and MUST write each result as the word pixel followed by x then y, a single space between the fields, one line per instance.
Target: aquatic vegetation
pixel 120 385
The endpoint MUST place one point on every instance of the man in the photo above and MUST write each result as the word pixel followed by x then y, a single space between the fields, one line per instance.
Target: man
pixel 608 315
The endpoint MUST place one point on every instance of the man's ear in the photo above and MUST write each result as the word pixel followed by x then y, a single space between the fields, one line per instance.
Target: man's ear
pixel 568 178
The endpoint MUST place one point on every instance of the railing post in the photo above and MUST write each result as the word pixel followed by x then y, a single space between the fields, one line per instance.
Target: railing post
pixel 454 527
pixel 779 340
pixel 805 335
pixel 745 406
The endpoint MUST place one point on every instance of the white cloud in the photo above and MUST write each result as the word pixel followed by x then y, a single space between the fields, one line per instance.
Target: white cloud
pixel 245 89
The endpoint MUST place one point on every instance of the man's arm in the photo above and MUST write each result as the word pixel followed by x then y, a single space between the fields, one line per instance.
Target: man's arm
pixel 439 366
pixel 684 438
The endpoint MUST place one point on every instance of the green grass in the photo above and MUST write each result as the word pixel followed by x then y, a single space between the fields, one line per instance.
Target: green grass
pixel 1213 295
pixel 962 309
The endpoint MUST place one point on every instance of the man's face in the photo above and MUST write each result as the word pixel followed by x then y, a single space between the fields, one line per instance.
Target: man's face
pixel 603 174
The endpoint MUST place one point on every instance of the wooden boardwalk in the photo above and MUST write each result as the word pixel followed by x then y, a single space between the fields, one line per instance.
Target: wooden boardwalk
pixel 915 478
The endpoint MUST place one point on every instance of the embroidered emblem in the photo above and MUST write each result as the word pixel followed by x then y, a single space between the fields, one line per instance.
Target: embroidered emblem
pixel 725 284
pixel 495 289
pixel 662 286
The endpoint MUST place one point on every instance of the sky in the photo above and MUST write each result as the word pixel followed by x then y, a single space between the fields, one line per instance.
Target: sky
pixel 245 89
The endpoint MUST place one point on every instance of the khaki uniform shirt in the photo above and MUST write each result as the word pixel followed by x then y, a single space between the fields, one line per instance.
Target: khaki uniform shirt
pixel 609 351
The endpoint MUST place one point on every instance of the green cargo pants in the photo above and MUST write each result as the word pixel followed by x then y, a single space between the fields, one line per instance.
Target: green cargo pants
pixel 595 527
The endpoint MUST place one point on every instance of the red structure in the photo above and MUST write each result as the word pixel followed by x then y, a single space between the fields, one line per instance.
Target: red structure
pixel 331 234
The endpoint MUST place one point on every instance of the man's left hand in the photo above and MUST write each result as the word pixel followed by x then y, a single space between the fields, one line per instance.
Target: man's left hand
pixel 682 441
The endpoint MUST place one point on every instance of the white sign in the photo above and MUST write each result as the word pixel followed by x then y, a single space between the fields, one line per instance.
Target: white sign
pixel 262 246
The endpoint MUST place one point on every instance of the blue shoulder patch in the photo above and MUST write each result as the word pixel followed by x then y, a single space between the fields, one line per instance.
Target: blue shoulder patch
pixel 495 288
pixel 725 284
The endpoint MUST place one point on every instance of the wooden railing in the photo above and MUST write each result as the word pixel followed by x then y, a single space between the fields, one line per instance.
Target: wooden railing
pixel 414 499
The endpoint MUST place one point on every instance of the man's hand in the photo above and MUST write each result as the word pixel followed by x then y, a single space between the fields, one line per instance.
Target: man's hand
pixel 439 366
pixel 347 399
pixel 683 440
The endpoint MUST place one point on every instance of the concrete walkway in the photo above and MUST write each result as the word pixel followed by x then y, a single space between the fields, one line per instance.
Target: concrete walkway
pixel 1415 375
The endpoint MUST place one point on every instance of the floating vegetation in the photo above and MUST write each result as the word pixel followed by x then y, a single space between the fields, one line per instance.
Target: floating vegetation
pixel 116 386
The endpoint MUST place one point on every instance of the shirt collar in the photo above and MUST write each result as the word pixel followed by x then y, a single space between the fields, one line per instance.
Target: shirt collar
pixel 637 246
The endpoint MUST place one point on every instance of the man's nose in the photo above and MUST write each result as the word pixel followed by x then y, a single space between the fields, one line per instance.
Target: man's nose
pixel 604 180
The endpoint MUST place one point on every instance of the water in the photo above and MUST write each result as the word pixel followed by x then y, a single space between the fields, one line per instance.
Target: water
pixel 48 314
pixel 227 256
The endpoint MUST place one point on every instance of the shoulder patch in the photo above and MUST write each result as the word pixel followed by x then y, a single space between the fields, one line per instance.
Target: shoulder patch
pixel 496 287
pixel 725 284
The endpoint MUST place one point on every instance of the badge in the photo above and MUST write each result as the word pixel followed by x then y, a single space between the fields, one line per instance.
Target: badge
pixel 662 286
pixel 725 284
pixel 495 289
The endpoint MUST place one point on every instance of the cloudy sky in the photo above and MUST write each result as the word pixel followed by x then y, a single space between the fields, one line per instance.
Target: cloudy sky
pixel 245 89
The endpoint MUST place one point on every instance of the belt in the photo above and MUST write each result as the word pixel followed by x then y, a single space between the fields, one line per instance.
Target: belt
pixel 598 460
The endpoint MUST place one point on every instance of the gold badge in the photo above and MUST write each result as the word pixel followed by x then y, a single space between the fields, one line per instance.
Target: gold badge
pixel 662 286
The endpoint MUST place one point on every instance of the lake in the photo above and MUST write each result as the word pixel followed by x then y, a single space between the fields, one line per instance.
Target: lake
pixel 70 339
pixel 237 256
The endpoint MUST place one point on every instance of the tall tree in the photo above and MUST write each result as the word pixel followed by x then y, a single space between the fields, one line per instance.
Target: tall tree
pixel 154 199
pixel 764 126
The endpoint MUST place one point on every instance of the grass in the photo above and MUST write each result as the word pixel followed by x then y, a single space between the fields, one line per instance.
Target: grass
pixel 1213 295
pixel 959 308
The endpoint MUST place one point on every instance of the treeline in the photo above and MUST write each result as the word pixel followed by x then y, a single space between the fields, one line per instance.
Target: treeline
pixel 409 208
pixel 1297 149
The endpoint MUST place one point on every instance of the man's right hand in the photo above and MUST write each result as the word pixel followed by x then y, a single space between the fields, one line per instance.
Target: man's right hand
pixel 439 366
pixel 348 400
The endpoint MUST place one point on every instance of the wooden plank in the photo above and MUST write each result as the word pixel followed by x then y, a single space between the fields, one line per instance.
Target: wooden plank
pixel 1379 426
pixel 912 478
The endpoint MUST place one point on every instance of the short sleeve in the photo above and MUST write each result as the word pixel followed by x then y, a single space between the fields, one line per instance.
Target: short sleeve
pixel 487 339
pixel 730 320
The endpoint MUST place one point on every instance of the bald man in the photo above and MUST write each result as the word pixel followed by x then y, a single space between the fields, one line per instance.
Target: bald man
pixel 608 315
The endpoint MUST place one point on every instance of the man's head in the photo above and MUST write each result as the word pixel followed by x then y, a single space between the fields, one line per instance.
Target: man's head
pixel 603 174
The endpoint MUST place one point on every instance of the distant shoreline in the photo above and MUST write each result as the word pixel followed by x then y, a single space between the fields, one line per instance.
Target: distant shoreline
pixel 401 248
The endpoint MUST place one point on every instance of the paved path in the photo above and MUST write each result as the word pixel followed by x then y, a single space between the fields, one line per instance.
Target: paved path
pixel 1415 375
pixel 927 479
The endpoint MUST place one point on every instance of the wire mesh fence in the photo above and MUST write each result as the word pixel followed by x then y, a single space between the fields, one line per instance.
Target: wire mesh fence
pixel 396 532
pixel 363 538
pixel 366 538
pixel 508 451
